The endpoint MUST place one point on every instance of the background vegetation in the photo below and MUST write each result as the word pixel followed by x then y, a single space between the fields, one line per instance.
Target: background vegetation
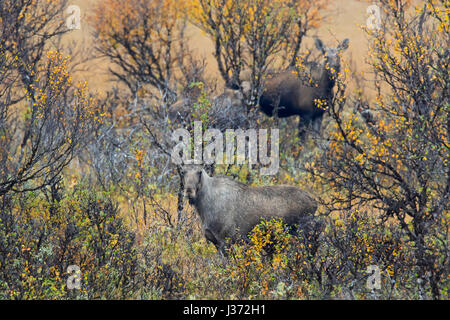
pixel 86 178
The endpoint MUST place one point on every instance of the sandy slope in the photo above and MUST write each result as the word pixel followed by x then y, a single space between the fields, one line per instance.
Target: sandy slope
pixel 345 17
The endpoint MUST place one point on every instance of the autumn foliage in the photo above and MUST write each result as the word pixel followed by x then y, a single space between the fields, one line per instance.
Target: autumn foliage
pixel 87 179
pixel 396 165
pixel 254 35
pixel 144 39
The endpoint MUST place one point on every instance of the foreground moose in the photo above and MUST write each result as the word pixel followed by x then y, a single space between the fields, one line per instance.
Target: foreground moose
pixel 229 209
pixel 291 95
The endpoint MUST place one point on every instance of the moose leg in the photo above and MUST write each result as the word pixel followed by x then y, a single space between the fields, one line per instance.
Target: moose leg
pixel 210 237
pixel 303 125
pixel 317 123
pixel 219 246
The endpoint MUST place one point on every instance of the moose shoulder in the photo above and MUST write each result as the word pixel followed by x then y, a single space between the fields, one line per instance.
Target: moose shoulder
pixel 229 209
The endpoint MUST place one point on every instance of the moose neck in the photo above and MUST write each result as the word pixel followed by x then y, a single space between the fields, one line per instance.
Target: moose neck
pixel 327 81
pixel 204 196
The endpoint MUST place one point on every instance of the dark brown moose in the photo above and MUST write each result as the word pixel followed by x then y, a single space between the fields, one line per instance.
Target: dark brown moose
pixel 292 95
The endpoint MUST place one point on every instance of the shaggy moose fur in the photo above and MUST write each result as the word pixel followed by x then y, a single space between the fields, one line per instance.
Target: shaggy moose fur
pixel 229 209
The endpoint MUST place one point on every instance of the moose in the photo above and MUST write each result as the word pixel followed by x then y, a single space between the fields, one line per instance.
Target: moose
pixel 230 209
pixel 290 95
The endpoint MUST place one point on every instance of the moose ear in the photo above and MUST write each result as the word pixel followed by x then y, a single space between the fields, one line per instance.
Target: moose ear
pixel 200 175
pixel 319 45
pixel 344 45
